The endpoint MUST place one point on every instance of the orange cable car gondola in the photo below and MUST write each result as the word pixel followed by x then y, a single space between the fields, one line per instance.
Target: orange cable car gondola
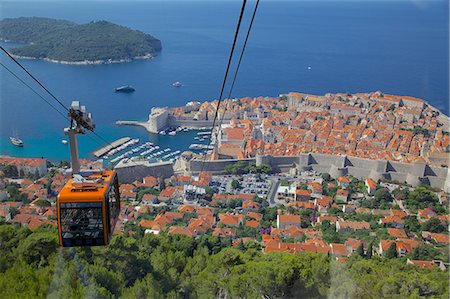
pixel 88 206
pixel 88 209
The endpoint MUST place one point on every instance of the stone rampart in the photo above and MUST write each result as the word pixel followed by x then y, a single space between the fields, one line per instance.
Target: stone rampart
pixel 414 174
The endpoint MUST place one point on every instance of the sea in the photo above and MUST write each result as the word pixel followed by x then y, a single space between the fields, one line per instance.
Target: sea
pixel 317 47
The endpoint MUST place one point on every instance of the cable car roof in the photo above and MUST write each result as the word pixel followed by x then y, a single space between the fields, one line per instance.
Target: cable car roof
pixel 87 188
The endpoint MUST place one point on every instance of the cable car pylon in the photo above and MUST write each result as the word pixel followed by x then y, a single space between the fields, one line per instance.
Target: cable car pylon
pixel 89 204
pixel 80 120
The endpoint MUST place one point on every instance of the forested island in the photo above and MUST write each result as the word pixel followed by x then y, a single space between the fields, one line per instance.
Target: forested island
pixel 63 41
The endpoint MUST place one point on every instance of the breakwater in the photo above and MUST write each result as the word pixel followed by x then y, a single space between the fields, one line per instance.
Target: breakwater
pixel 161 119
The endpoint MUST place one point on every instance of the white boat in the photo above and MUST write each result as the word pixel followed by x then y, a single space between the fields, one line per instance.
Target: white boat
pixel 173 133
pixel 177 84
pixel 64 141
pixel 16 141
pixel 162 133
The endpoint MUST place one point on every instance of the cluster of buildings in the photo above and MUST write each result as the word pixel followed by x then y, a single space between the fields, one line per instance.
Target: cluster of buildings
pixel 229 213
pixel 216 205
pixel 31 203
pixel 367 125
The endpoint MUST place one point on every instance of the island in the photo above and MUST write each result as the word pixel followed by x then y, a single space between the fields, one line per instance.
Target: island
pixel 66 42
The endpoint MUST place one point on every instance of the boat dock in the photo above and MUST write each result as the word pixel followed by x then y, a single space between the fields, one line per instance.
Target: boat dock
pixel 117 143
pixel 204 133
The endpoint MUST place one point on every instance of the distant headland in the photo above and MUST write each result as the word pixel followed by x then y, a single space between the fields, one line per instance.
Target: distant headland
pixel 61 41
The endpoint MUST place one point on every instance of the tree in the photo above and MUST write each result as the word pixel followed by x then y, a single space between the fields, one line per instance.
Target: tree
pixel 421 198
pixel 241 245
pixel 382 195
pixel 235 184
pixel 425 252
pixel 264 168
pixel 13 211
pixel 411 224
pixel 13 192
pixel 162 183
pixel 42 203
pixel 37 247
pixel 49 188
pixel 209 193
pixel 369 251
pixel 433 225
pixel 326 177
pixel 391 252
pixel 329 232
pixel 360 250
pixel 10 171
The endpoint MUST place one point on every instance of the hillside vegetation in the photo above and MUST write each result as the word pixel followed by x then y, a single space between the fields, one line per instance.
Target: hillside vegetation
pixel 147 266
pixel 66 41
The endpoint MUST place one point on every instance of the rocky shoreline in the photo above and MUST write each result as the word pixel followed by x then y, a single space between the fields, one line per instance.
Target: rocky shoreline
pixel 89 62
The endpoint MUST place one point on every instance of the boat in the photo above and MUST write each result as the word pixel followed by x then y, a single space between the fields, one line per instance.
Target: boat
pixel 125 88
pixel 162 133
pixel 64 141
pixel 177 84
pixel 173 133
pixel 16 141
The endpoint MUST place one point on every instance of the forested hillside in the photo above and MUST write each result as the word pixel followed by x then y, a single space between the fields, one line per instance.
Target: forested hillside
pixel 66 41
pixel 147 266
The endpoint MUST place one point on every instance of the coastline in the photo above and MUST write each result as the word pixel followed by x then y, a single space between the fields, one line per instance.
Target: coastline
pixel 88 62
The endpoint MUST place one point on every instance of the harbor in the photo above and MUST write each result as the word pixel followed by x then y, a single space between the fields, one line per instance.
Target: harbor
pixel 154 148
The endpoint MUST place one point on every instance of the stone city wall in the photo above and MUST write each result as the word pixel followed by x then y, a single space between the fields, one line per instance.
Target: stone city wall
pixel 414 174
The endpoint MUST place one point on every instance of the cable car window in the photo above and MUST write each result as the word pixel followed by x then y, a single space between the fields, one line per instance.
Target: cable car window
pixel 113 207
pixel 81 224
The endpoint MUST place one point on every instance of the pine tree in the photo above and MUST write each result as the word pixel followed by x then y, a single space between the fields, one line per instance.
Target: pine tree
pixel 369 252
pixel 391 252
pixel 241 245
pixel 162 184
pixel 360 250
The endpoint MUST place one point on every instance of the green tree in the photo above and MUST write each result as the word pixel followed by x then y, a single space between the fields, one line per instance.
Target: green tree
pixel 360 250
pixel 326 177
pixel 10 171
pixel 162 183
pixel 209 193
pixel 37 247
pixel 13 211
pixel 391 252
pixel 411 224
pixel 382 195
pixel 235 184
pixel 433 225
pixel 369 251
pixel 425 252
pixel 13 191
pixel 42 203
pixel 264 168
pixel 421 198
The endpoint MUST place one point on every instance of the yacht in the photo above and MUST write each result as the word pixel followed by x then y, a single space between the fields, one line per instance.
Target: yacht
pixel 16 141
pixel 125 88
pixel 64 141
pixel 177 84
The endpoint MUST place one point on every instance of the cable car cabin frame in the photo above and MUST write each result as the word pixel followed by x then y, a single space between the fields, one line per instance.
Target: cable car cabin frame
pixel 88 210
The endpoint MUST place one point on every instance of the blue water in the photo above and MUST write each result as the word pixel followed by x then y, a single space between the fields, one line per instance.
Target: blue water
pixel 396 47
